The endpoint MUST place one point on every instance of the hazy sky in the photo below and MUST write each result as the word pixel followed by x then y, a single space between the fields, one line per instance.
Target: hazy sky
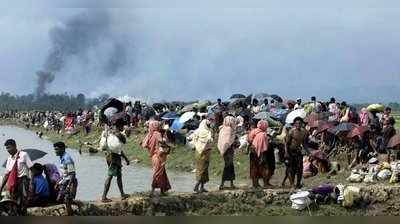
pixel 350 53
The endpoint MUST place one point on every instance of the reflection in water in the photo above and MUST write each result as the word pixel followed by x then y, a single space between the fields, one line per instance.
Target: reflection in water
pixel 91 169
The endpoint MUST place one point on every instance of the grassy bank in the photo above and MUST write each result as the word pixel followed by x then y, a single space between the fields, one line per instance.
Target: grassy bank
pixel 180 159
pixel 396 115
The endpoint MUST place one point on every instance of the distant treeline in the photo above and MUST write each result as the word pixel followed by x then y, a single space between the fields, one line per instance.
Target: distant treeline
pixel 60 102
pixel 65 102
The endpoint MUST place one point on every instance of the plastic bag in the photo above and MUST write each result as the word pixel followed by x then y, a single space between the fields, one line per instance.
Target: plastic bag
pixel 384 174
pixel 300 200
pixel 355 178
pixel 103 141
pixel 114 144
pixel 370 178
pixel 350 194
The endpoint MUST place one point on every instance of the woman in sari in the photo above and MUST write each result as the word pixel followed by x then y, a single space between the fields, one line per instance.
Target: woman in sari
pixel 158 154
pixel 201 140
pixel 227 142
pixel 262 161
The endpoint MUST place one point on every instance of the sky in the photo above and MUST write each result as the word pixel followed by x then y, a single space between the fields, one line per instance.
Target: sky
pixel 204 53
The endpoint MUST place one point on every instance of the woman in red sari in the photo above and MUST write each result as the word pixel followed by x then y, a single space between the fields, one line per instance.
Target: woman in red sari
pixel 262 160
pixel 158 154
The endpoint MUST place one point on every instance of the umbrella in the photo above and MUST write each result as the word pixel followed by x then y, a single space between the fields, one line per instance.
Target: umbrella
pixel 169 116
pixel 324 125
pixel 110 103
pixel 294 114
pixel 34 154
pixel 277 98
pixel 186 116
pixel 358 131
pixel 158 106
pixel 188 108
pixel 261 95
pixel 237 96
pixel 176 125
pixel 148 112
pixel 280 114
pixel 237 102
pixel 289 102
pixel 262 115
pixel 342 127
pixel 394 141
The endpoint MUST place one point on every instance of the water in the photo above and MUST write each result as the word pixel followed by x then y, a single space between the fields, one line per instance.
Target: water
pixel 91 169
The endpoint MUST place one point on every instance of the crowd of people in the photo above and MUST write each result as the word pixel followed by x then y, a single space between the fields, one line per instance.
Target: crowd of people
pixel 303 136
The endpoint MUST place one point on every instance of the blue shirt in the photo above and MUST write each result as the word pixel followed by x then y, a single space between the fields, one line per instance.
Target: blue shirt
pixel 67 164
pixel 41 186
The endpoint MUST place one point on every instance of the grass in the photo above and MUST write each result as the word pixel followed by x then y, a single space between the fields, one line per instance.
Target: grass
pixel 396 116
pixel 182 158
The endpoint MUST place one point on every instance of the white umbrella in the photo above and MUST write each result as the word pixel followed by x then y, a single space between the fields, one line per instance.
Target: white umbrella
pixel 296 113
pixel 186 116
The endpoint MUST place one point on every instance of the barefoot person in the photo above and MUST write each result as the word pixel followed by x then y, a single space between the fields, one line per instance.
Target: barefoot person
pixel 227 142
pixel 262 161
pixel 16 178
pixel 201 139
pixel 114 158
pixel 158 151
pixel 295 142
pixel 68 185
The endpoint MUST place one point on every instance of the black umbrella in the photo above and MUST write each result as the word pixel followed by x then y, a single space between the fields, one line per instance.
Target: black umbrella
pixel 34 154
pixel 261 95
pixel 112 102
pixel 276 98
pixel 237 96
pixel 169 116
pixel 148 112
pixel 158 106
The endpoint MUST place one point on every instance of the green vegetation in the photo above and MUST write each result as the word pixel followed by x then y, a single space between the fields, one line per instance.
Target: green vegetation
pixel 60 102
pixel 396 115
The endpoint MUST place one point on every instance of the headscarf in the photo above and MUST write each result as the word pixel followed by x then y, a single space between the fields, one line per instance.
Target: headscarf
pixel 151 140
pixel 258 137
pixel 364 118
pixel 202 136
pixel 226 134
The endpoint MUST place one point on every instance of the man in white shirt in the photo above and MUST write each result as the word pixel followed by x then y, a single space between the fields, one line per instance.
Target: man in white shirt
pixel 298 104
pixel 19 190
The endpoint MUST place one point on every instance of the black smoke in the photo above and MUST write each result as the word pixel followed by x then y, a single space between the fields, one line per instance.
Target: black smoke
pixel 73 39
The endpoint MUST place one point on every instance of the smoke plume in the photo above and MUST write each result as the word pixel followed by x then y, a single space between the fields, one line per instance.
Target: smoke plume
pixel 73 39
